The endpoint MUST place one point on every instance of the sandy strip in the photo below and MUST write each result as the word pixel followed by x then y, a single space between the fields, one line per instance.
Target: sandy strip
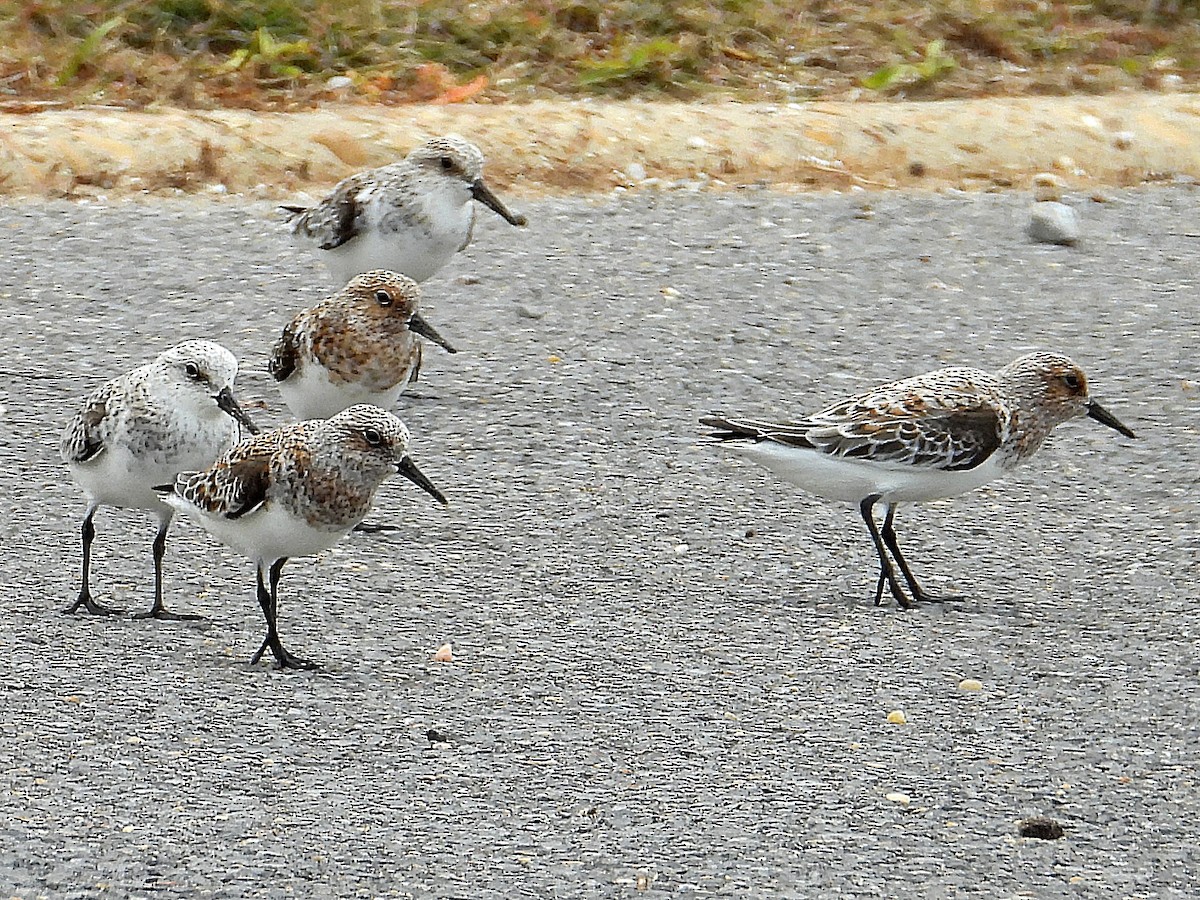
pixel 578 146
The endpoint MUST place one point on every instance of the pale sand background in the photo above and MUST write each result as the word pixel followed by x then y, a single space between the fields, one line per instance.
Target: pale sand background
pixel 564 147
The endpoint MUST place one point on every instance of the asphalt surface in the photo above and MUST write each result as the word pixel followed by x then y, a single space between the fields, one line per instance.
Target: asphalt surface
pixel 669 677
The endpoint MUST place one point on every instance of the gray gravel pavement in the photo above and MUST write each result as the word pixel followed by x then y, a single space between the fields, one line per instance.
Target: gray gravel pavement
pixel 669 677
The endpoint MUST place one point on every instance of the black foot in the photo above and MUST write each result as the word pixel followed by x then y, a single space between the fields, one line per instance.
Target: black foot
pixel 91 606
pixel 165 615
pixel 285 659
pixel 934 598
pixel 375 527
pixel 290 661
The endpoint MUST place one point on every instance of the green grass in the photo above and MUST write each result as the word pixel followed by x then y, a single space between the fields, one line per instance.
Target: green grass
pixel 281 53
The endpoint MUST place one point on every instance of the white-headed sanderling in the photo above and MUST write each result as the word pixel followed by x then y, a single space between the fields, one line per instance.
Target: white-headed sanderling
pixel 358 346
pixel 409 217
pixel 932 436
pixel 139 430
pixel 295 491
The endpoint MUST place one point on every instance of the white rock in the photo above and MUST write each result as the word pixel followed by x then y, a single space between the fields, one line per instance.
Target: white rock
pixel 697 143
pixel 339 83
pixel 635 172
pixel 1053 223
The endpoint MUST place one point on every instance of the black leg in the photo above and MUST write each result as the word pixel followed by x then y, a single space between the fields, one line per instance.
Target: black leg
pixel 889 538
pixel 886 572
pixel 158 611
pixel 85 594
pixel 270 604
pixel 264 600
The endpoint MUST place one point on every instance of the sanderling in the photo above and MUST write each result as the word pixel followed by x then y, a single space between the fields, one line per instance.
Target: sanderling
pixel 143 428
pixel 932 436
pixel 410 217
pixel 358 346
pixel 295 491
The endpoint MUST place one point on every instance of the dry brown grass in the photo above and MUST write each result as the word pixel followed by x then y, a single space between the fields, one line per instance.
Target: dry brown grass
pixel 281 54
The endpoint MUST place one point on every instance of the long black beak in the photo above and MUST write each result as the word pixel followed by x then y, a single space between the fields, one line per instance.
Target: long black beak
pixel 423 328
pixel 484 195
pixel 229 405
pixel 409 470
pixel 1104 417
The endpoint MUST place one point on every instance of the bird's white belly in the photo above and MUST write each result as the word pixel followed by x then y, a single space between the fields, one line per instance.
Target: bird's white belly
pixel 413 252
pixel 117 478
pixel 268 533
pixel 839 478
pixel 310 394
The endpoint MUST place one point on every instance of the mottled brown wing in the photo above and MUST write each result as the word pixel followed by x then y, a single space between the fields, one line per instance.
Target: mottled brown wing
pixel 284 354
pixel 237 483
pixel 83 438
pixel 951 437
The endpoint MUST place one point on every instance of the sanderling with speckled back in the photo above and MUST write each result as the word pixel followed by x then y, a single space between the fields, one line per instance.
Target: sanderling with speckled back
pixel 139 431
pixel 295 491
pixel 409 217
pixel 358 346
pixel 924 438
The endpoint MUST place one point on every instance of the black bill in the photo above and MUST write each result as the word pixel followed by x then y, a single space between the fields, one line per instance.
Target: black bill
pixel 424 329
pixel 1104 417
pixel 409 470
pixel 229 405
pixel 484 195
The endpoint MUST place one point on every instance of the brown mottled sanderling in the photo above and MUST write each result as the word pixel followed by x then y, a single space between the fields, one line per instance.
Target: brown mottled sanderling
pixel 358 346
pixel 923 438
pixel 295 491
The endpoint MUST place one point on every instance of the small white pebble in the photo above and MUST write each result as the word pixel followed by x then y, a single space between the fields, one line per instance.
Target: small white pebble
pixel 897 797
pixel 339 83
pixel 697 143
pixel 897 717
pixel 970 684
pixel 635 171
pixel 1053 223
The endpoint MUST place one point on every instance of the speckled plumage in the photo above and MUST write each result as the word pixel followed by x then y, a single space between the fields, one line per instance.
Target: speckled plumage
pixel 409 217
pixel 931 436
pixel 295 491
pixel 140 429
pixel 359 346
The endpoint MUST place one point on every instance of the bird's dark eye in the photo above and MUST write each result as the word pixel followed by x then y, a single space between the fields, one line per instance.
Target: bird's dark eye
pixel 447 163
pixel 372 437
pixel 1071 380
pixel 192 371
pixel 383 298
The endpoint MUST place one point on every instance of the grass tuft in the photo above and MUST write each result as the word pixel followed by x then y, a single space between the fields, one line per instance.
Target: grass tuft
pixel 281 54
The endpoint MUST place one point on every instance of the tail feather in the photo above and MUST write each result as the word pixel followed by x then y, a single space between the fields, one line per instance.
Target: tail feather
pixel 729 430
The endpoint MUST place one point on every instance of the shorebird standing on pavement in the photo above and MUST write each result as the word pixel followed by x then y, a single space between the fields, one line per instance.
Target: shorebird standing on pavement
pixel 138 431
pixel 409 217
pixel 936 435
